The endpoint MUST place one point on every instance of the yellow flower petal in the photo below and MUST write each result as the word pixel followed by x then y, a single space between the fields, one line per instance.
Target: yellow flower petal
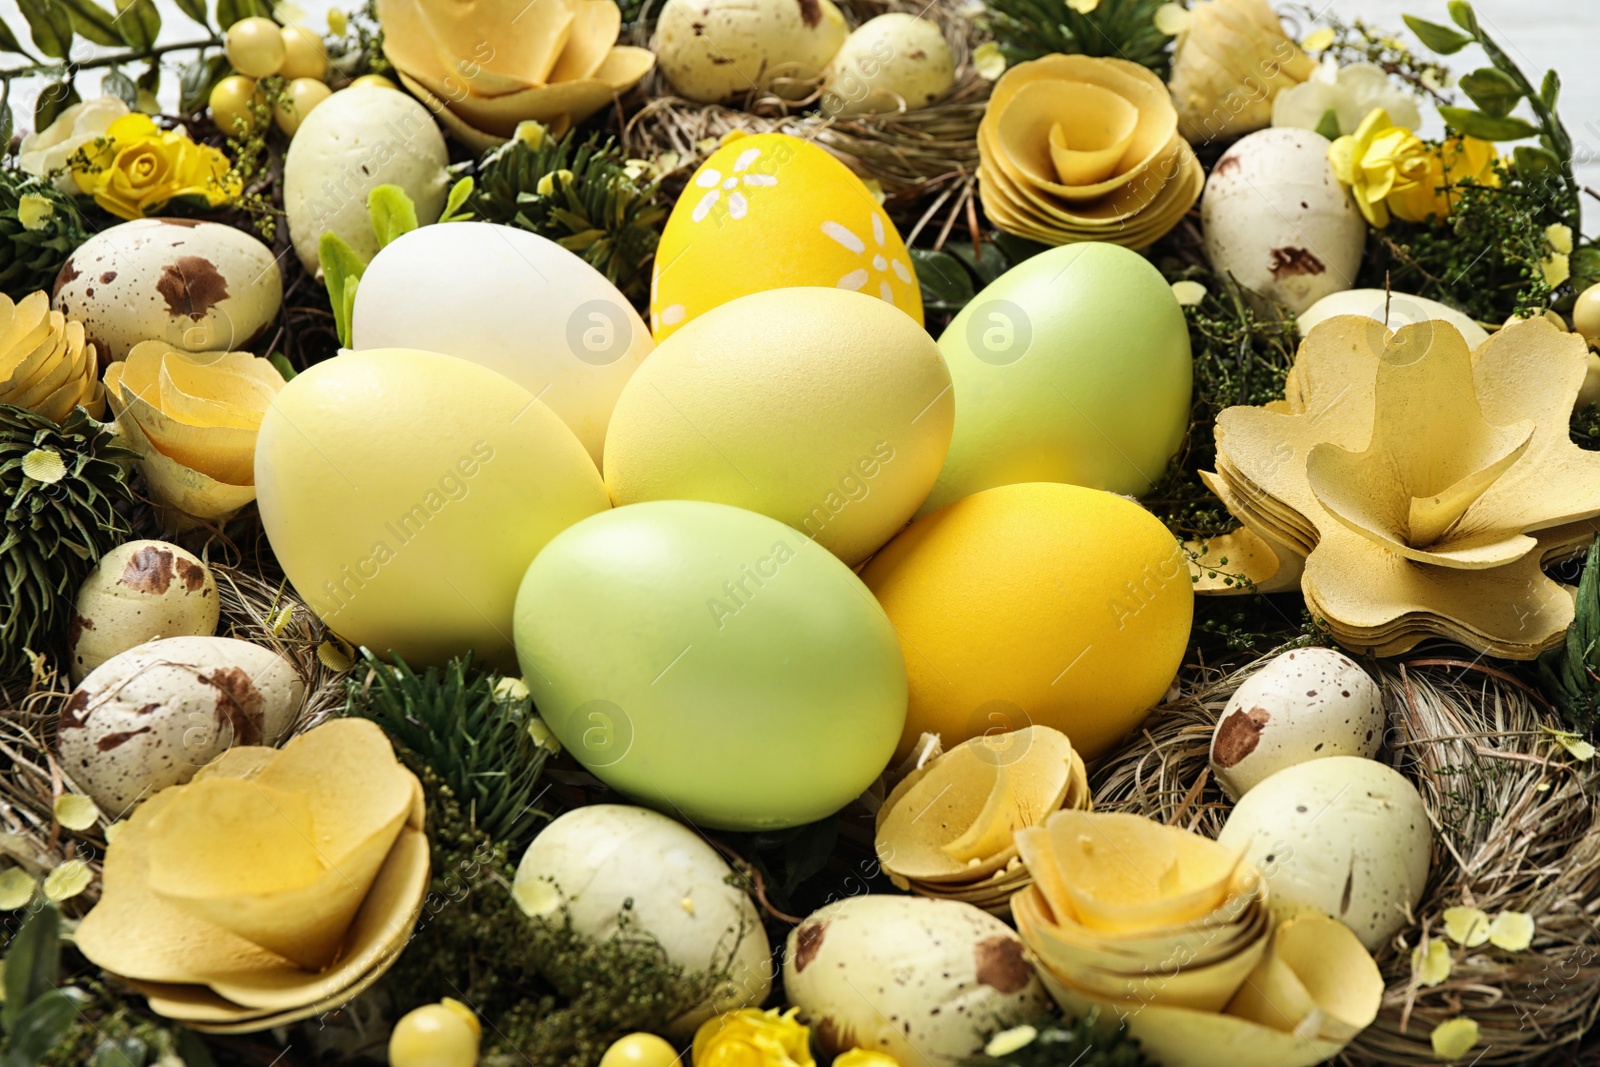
pixel 44 465
pixel 1576 747
pixel 337 23
pixel 16 888
pixel 33 210
pixel 1172 19
pixel 1454 1038
pixel 1318 40
pixel 1083 7
pixel 1433 966
pixel 334 657
pixel 75 811
pixel 1008 1041
pixel 1188 293
pixel 1511 930
pixel 1466 926
pixel 988 60
pixel 67 881
pixel 1559 238
pixel 1556 269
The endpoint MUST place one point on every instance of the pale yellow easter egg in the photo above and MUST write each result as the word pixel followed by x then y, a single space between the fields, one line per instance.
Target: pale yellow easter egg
pixel 771 211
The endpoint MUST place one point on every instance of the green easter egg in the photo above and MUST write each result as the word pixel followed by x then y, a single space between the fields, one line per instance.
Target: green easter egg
pixel 711 662
pixel 1072 367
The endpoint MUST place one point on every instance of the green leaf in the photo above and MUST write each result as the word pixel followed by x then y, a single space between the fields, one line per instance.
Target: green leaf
pixel 1462 15
pixel 53 100
pixel 120 1052
pixel 195 9
pixel 50 25
pixel 945 282
pixel 1550 91
pixel 192 1050
pixel 986 269
pixel 119 85
pixel 150 80
pixel 231 11
pixel 196 80
pixel 1530 160
pixel 459 192
pixel 1328 125
pixel 9 42
pixel 92 21
pixel 1437 38
pixel 139 23
pixel 1585 264
pixel 33 963
pixel 39 1027
pixel 1486 127
pixel 281 364
pixel 8 123
pixel 392 213
pixel 1492 90
pixel 341 268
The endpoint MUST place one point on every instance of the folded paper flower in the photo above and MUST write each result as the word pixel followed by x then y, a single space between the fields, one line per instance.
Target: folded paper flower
pixel 948 828
pixel 1229 63
pixel 1080 148
pixel 46 365
pixel 1416 489
pixel 482 66
pixel 276 885
pixel 193 419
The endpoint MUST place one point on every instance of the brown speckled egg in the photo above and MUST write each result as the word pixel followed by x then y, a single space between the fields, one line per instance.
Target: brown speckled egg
pixel 153 715
pixel 199 286
pixel 925 981
pixel 137 592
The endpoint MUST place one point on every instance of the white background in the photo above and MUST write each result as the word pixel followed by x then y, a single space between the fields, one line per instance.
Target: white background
pixel 1537 34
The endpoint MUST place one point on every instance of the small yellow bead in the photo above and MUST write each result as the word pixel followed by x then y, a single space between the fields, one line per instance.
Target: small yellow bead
pixel 303 54
pixel 232 104
pixel 1586 313
pixel 375 80
pixel 255 47
pixel 436 1035
pixel 299 97
pixel 640 1050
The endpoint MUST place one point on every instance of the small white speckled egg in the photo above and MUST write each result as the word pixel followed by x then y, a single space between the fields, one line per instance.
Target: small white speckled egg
pixel 153 715
pixel 137 592
pixel 925 981
pixel 1345 836
pixel 1304 705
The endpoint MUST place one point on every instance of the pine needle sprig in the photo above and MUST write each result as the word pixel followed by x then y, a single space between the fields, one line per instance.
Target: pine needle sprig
pixel 1124 29
pixel 471 732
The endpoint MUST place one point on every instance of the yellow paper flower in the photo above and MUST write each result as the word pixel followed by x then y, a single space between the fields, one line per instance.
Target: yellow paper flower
pixel 137 168
pixel 1232 57
pixel 753 1038
pixel 865 1057
pixel 1377 161
pixel 1451 163
pixel 46 363
pixel 193 417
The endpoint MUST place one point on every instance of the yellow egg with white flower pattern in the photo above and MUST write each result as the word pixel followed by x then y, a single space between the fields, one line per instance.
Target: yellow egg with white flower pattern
pixel 771 211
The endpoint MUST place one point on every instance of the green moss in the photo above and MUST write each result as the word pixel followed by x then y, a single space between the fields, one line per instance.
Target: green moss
pixel 1084 1042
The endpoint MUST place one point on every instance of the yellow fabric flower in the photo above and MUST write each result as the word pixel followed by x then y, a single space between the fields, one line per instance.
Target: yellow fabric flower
pixel 866 1057
pixel 753 1038
pixel 1378 161
pixel 1449 165
pixel 137 168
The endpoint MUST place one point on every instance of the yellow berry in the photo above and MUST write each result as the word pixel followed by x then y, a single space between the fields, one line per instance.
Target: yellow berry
pixel 255 47
pixel 377 81
pixel 299 97
pixel 232 100
pixel 436 1035
pixel 303 54
pixel 640 1050
pixel 1586 313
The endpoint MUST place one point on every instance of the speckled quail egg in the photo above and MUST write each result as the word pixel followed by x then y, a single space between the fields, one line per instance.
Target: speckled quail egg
pixel 1345 836
pixel 893 61
pixel 153 715
pixel 1306 704
pixel 925 981
pixel 137 592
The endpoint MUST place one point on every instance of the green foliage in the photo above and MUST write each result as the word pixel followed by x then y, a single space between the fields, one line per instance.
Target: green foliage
pixel 1081 1043
pixel 1569 674
pixel 952 276
pixel 1358 41
pixel 30 259
pixel 473 735
pixel 585 196
pixel 392 213
pixel 54 533
pixel 1125 29
pixel 37 1014
pixel 1485 256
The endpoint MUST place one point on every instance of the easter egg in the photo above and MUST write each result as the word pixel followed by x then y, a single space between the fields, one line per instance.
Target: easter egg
pixel 405 493
pixel 513 301
pixel 771 211
pixel 1071 367
pixel 712 663
pixel 825 409
pixel 1037 603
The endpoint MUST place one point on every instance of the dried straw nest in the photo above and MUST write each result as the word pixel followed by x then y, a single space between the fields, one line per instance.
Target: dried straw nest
pixel 253 608
pixel 1516 827
pixel 905 152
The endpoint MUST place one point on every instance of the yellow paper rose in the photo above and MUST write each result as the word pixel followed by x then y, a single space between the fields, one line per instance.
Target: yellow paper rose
pixel 1449 165
pixel 753 1038
pixel 137 168
pixel 1379 161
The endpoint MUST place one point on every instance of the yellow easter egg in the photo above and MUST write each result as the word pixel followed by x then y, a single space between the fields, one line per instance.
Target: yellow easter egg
pixel 1035 603
pixel 771 211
